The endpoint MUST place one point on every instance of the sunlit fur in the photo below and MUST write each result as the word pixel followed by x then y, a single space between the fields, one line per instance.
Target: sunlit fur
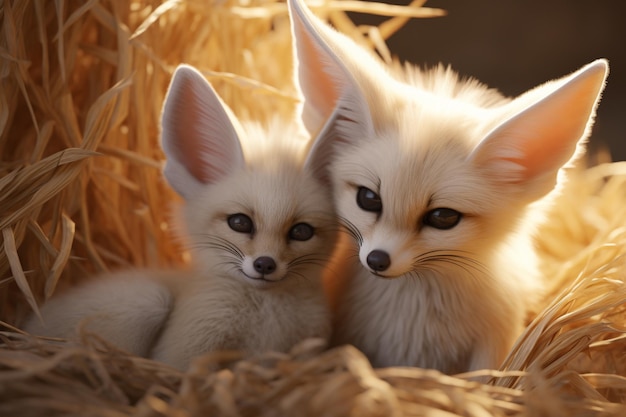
pixel 456 292
pixel 227 304
pixel 456 299
pixel 453 289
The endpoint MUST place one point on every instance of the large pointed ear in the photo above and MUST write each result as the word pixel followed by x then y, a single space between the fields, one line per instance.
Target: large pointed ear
pixel 199 134
pixel 326 76
pixel 528 149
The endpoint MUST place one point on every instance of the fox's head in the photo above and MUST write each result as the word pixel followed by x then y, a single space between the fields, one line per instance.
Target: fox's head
pixel 431 172
pixel 260 216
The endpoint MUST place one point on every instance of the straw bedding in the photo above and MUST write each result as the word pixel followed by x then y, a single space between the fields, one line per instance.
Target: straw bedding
pixel 82 84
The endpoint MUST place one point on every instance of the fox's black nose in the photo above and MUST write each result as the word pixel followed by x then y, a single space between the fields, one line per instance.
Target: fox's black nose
pixel 378 260
pixel 264 265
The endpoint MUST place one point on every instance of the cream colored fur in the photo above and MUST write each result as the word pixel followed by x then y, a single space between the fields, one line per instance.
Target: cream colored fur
pixel 223 169
pixel 453 299
pixel 225 302
pixel 126 309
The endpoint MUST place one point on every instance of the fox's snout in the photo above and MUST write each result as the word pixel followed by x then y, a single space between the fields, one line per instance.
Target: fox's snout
pixel 387 261
pixel 264 268
pixel 387 252
pixel 264 265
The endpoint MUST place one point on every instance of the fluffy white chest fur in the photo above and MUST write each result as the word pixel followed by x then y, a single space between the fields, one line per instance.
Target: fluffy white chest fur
pixel 452 319
pixel 224 315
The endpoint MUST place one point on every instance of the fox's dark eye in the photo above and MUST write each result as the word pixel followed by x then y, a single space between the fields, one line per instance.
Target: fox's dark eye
pixel 442 218
pixel 301 231
pixel 240 223
pixel 368 200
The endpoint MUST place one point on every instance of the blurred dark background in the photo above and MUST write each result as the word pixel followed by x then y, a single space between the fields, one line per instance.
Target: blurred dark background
pixel 515 45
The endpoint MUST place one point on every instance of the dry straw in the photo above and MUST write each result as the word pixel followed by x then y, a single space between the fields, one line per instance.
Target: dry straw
pixel 82 84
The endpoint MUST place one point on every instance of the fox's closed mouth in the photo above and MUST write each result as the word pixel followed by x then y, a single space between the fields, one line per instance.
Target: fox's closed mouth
pixel 261 278
pixel 379 275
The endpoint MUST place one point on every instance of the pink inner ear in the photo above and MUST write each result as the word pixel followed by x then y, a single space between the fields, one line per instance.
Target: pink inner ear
pixel 539 157
pixel 200 136
pixel 332 94
pixel 557 138
pixel 544 136
pixel 188 116
pixel 320 89
pixel 316 68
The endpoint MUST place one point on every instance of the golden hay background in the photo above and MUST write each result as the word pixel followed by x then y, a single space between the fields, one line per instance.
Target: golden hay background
pixel 82 85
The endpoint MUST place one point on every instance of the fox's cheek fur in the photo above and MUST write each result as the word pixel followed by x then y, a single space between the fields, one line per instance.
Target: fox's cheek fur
pixel 374 240
pixel 410 249
pixel 242 256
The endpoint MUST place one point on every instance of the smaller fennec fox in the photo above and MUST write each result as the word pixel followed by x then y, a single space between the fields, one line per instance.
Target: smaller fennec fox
pixel 260 226
pixel 260 222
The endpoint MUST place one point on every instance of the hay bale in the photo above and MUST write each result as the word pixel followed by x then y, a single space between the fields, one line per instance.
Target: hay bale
pixel 82 89
pixel 81 192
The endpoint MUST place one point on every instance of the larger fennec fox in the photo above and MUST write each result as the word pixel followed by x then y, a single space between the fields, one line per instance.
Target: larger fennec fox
pixel 438 179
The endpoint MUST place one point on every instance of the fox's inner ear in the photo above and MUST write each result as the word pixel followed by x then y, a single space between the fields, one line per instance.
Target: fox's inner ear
pixel 200 136
pixel 323 64
pixel 528 149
